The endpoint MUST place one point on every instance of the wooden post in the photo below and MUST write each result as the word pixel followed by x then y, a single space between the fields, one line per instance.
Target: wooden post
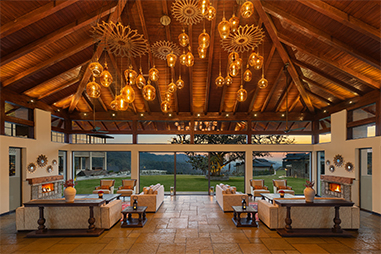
pixel 174 173
pixel 315 131
pixel 378 115
pixel 2 114
pixel 134 132
pixel 208 173
pixel 68 127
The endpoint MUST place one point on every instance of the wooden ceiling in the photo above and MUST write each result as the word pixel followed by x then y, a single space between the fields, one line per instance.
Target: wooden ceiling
pixel 331 50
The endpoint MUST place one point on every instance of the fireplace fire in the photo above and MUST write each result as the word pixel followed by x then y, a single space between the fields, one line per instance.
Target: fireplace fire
pixel 47 187
pixel 335 187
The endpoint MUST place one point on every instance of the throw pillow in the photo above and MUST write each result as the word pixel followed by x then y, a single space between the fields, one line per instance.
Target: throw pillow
pixel 150 191
pixel 232 190
pixel 105 187
pixel 127 187
pixel 146 189
pixel 227 191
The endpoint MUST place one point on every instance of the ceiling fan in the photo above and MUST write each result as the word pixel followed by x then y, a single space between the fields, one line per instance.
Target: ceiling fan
pixel 96 129
pixel 288 129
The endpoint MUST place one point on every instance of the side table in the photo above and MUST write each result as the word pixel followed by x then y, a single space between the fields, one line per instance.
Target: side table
pixel 249 221
pixel 129 222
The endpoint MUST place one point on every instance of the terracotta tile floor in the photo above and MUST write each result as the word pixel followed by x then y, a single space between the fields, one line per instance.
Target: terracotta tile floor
pixel 192 224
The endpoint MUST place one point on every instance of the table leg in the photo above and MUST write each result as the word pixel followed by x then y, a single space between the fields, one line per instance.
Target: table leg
pixel 91 219
pixel 144 215
pixel 140 217
pixel 129 216
pixel 124 219
pixel 239 219
pixel 288 219
pixel 248 216
pixel 235 216
pixel 41 221
pixel 336 228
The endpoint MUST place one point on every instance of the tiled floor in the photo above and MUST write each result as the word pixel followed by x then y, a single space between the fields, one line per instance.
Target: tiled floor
pixel 193 224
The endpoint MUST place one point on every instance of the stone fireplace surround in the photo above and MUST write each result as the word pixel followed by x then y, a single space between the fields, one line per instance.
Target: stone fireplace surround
pixel 36 187
pixel 345 183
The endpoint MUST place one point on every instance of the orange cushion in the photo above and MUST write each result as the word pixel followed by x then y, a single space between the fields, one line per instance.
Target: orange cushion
pixel 105 187
pixel 127 187
pixel 260 188
pixel 282 187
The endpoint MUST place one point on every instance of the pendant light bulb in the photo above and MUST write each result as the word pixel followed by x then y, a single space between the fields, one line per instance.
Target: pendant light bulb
pixel 183 58
pixel 180 83
pixel 106 78
pixel 171 60
pixel 262 83
pixel 202 52
pixel 149 92
pixel 233 56
pixel 204 40
pixel 233 69
pixel 203 6
pixel 211 13
pixel 171 87
pixel 114 105
pixel 122 104
pixel 140 80
pixel 130 75
pixel 239 62
pixel 241 95
pixel 247 9
pixel 234 23
pixel 247 75
pixel 228 80
pixel 183 39
pixel 165 106
pixel 93 89
pixel 153 74
pixel 128 94
pixel 220 81
pixel 190 59
pixel 224 28
pixel 96 68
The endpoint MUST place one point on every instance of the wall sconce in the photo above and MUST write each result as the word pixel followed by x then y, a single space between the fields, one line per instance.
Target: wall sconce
pixel 172 190
pixel 211 191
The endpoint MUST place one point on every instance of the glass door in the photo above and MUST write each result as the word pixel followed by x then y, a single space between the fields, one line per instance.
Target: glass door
pixel 320 170
pixel 366 179
pixel 14 178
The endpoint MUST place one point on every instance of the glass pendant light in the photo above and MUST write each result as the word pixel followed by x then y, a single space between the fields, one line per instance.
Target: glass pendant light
pixel 171 60
pixel 234 23
pixel 228 80
pixel 106 78
pixel 153 74
pixel 122 104
pixel 258 62
pixel 233 56
pixel 140 80
pixel 241 94
pixel 165 106
pixel 247 9
pixel 203 39
pixel 114 105
pixel 180 83
pixel 211 13
pixel 183 58
pixel 248 75
pixel 149 92
pixel 190 59
pixel 128 94
pixel 167 96
pixel 233 69
pixel 203 5
pixel 130 75
pixel 201 52
pixel 220 81
pixel 224 28
pixel 239 62
pixel 96 68
pixel 172 87
pixel 93 89
pixel 183 39
pixel 262 83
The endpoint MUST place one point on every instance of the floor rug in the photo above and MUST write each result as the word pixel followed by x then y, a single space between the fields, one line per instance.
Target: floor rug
pixel 255 206
pixel 125 204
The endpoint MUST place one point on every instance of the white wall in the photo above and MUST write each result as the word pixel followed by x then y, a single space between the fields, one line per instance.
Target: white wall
pixel 42 145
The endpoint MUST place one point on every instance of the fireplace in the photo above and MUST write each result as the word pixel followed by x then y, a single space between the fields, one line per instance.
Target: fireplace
pixel 49 187
pixel 337 187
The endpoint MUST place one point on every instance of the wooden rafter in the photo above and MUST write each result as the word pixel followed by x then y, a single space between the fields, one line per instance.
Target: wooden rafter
pixel 311 82
pixel 58 34
pixel 255 94
pixel 104 126
pixel 320 98
pixel 34 16
pixel 113 17
pixel 270 27
pixel 116 125
pixel 294 103
pixel 13 110
pixel 272 90
pixel 344 18
pixel 331 63
pixel 53 60
pixel 283 96
pixel 338 82
pixel 224 88
pixel 318 34
pixel 89 103
pixel 77 123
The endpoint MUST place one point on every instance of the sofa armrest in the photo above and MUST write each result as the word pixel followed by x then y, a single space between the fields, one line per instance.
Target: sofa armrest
pixel 111 214
pixel 268 214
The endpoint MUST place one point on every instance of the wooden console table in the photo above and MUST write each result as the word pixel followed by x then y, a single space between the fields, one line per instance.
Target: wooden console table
pixel 335 231
pixel 42 231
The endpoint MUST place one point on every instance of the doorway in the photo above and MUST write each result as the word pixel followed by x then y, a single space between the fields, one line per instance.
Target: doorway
pixel 14 178
pixel 365 162
pixel 320 170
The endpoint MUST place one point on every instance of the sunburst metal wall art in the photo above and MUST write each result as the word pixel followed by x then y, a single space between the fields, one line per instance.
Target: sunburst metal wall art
pixel 120 40
pixel 338 160
pixel 161 49
pixel 186 12
pixel 246 38
pixel 42 160
pixel 349 166
pixel 31 167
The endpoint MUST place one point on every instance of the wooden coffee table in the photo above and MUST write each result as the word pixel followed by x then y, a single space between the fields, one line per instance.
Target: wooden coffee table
pixel 129 222
pixel 249 221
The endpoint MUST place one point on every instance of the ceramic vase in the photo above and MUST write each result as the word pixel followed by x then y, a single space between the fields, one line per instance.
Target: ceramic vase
pixel 309 194
pixel 69 194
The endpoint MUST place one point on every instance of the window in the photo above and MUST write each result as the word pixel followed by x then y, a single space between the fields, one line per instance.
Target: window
pixel 16 130
pixel 58 137
pixel 361 122
pixel 79 139
pixel 325 138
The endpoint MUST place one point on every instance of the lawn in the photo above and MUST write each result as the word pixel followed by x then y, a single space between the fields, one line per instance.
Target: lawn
pixel 193 182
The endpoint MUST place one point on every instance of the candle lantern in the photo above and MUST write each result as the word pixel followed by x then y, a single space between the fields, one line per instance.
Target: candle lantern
pixel 172 190
pixel 243 202
pixel 211 191
pixel 135 203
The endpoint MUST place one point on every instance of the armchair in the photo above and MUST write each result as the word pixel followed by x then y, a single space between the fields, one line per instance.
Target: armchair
pixel 128 188
pixel 107 186
pixel 282 185
pixel 257 187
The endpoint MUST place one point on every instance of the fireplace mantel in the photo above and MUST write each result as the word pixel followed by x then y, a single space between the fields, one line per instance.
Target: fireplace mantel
pixel 337 179
pixel 37 190
pixel 45 179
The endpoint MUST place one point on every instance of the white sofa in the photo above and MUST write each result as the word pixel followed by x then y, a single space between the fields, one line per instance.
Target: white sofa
pixel 152 197
pixel 227 200
pixel 307 217
pixel 69 217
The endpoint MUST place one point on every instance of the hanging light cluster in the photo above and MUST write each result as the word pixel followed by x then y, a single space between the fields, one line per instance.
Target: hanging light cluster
pixel 186 59
pixel 93 89
pixel 206 9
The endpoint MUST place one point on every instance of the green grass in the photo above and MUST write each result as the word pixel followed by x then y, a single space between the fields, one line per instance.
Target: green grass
pixel 193 182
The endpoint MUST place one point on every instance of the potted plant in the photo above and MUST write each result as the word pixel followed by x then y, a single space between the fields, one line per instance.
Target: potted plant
pixel 69 191
pixel 100 194
pixel 309 192
pixel 281 193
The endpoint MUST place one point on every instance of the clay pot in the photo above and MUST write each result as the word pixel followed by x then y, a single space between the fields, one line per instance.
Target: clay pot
pixel 69 194
pixel 309 194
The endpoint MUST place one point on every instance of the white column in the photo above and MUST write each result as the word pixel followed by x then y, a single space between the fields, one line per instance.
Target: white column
pixel 105 162
pixel 248 170
pixel 135 167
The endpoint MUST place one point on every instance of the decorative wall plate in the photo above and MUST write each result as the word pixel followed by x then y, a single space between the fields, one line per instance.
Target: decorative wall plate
pixel 246 38
pixel 349 166
pixel 54 162
pixel 120 40
pixel 161 49
pixel 328 163
pixel 186 12
pixel 31 167
pixel 331 168
pixel 49 168
pixel 338 160
pixel 42 160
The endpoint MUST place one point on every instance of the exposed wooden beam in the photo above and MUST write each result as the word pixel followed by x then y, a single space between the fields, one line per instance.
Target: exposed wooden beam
pixel 102 103
pixel 222 102
pixel 58 34
pixel 18 120
pixel 344 18
pixel 34 16
pixel 63 86
pixel 272 90
pixel 314 83
pixel 255 94
pixel 283 54
pixel 283 96
pixel 269 58
pixel 76 122
pixel 53 60
pixel 89 103
pixel 320 98
pixel 13 110
pixel 116 125
pixel 294 103
pixel 338 82
pixel 331 63
pixel 209 71
pixel 318 34
pixel 104 126
pixel 113 17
